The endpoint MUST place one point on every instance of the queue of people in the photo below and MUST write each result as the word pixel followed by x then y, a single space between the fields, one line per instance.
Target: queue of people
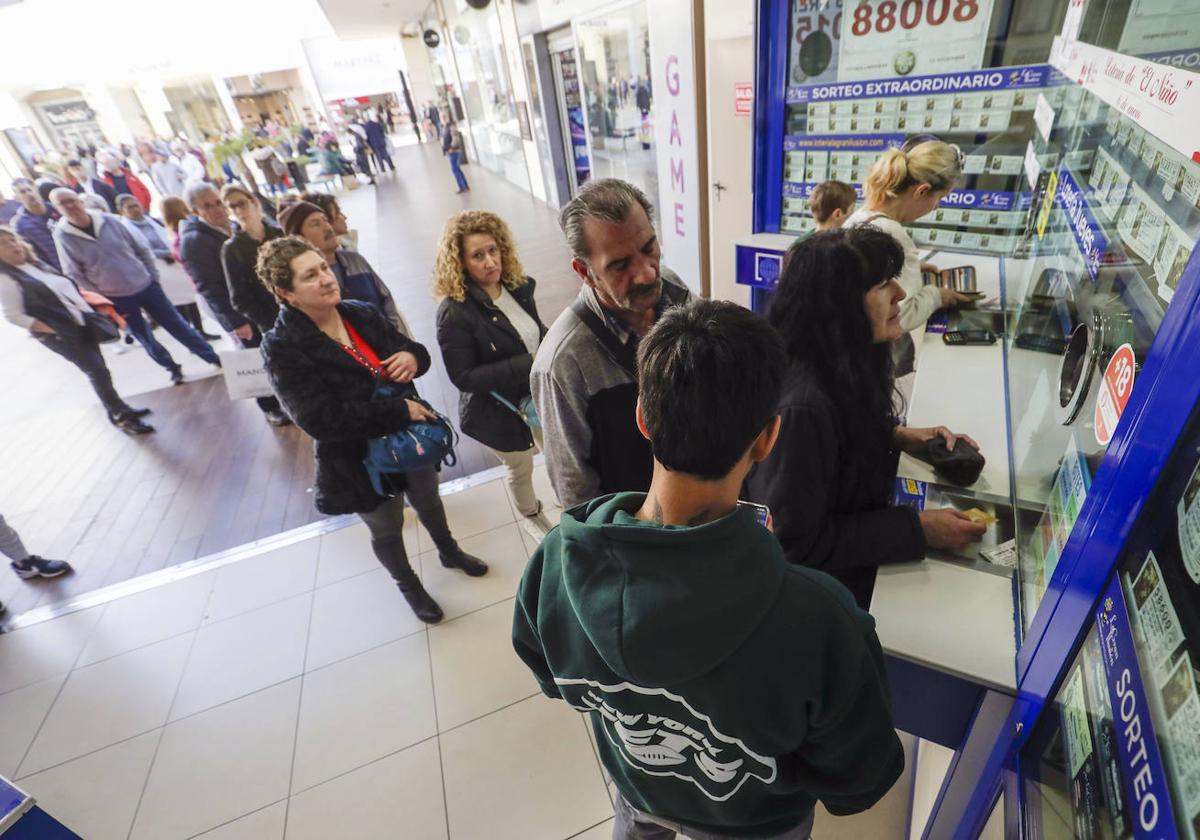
pixel 660 597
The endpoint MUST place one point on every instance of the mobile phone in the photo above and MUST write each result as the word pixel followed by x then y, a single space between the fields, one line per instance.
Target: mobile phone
pixel 762 513
pixel 966 337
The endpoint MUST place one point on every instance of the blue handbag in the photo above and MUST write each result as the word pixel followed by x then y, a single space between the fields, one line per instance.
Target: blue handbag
pixel 417 445
pixel 527 411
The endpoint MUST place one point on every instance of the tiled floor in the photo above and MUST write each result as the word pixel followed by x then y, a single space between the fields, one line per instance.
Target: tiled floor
pixel 292 694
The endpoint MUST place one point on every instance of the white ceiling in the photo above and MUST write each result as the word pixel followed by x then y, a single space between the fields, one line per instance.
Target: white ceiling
pixel 371 18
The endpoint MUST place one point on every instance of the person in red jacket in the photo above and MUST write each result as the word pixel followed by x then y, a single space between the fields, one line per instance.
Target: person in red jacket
pixel 113 172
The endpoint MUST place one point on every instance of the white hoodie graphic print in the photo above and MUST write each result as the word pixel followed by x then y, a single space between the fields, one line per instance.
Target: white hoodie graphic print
pixel 660 734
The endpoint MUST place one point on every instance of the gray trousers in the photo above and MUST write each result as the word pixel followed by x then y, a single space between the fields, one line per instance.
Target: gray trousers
pixel 632 824
pixel 386 522
pixel 10 544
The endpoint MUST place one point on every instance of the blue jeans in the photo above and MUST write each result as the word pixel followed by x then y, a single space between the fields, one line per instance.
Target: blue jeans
pixel 456 168
pixel 154 300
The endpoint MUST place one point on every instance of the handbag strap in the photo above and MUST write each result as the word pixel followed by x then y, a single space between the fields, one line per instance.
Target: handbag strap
pixel 506 403
pixel 622 353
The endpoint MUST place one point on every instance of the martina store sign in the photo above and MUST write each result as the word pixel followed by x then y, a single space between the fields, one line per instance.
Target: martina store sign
pixel 981 81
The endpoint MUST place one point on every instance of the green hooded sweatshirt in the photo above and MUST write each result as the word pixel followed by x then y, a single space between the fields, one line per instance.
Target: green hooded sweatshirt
pixel 728 690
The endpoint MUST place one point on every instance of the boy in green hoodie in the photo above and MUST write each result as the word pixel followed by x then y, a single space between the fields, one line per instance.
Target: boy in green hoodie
pixel 728 690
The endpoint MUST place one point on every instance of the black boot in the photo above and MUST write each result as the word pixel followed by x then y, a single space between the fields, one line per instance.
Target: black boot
pixel 422 603
pixel 456 558
pixel 391 554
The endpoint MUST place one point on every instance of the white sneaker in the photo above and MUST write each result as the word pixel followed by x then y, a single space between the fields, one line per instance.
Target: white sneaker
pixel 536 525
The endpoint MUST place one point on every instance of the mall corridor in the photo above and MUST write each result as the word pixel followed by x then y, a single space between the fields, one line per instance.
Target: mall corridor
pixel 215 476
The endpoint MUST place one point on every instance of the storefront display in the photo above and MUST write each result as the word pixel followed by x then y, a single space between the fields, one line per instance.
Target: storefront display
pixel 1078 216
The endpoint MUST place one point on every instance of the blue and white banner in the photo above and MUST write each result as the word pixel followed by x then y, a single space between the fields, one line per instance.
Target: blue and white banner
pixel 1089 236
pixel 794 189
pixel 841 142
pixel 1142 774
pixel 980 200
pixel 973 81
pixel 959 199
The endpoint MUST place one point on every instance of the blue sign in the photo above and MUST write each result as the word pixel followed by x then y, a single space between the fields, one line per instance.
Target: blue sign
pixel 979 200
pixel 910 493
pixel 1186 59
pixel 841 142
pixel 13 802
pixel 961 199
pixel 758 267
pixel 974 81
pixel 1142 773
pixel 1089 236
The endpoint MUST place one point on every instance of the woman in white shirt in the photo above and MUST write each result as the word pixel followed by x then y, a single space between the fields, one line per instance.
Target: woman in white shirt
pixel 35 297
pixel 904 185
pixel 489 331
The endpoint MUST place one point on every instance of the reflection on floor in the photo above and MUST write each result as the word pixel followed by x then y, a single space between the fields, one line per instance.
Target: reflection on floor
pixel 291 693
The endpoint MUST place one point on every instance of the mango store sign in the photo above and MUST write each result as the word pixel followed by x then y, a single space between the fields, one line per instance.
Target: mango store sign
pixel 676 138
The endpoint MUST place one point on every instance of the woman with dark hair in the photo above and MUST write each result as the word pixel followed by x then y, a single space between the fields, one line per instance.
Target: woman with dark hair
pixel 324 357
pixel 830 479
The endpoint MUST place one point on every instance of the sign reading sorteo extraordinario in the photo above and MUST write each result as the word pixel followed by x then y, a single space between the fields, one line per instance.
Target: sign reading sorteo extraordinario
pixel 974 81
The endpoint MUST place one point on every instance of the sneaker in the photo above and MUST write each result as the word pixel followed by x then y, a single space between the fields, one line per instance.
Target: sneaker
pixel 34 566
pixel 133 426
pixel 177 376
pixel 536 524
pixel 137 412
pixel 277 418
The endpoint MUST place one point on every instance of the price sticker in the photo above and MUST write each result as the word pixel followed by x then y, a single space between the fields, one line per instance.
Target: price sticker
pixel 1114 393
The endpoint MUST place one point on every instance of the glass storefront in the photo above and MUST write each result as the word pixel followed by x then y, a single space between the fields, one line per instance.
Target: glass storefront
pixel 491 111
pixel 614 72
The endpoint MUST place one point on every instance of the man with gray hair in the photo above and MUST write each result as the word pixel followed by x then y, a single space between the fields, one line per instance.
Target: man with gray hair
pixel 201 237
pixel 102 255
pixel 584 377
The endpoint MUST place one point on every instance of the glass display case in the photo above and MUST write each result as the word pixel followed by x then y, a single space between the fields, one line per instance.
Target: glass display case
pixel 1118 752
pixel 1116 223
pixel 863 77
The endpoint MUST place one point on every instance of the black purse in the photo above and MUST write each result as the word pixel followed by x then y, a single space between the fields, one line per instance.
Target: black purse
pixel 960 466
pixel 100 328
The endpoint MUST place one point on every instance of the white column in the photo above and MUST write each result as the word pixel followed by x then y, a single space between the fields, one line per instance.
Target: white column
pixel 227 102
pixel 108 114
pixel 155 104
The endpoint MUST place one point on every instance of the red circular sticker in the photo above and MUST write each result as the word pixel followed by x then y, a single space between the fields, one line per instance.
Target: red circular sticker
pixel 1114 393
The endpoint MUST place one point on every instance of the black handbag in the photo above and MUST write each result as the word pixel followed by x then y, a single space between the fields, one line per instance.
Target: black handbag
pixel 100 328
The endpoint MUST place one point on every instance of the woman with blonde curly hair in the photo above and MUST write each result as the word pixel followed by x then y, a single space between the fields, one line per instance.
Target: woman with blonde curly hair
pixel 489 331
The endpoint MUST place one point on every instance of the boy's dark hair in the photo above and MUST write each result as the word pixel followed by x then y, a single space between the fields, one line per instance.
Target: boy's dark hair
pixel 829 196
pixel 710 374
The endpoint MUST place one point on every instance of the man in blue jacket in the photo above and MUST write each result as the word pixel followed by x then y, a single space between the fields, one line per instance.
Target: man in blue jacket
pixel 201 237
pixel 728 690
pixel 35 222
pixel 102 255
pixel 377 140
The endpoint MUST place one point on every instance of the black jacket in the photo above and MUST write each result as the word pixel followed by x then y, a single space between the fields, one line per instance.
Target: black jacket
pixel 239 257
pixel 200 247
pixel 484 353
pixel 830 511
pixel 104 191
pixel 328 395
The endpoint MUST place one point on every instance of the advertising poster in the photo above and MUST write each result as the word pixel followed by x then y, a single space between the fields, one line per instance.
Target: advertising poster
pixel 883 38
pixel 1189 526
pixel 1076 733
pixel 1157 29
pixel 1182 706
pixel 1156 616
pixel 816 41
